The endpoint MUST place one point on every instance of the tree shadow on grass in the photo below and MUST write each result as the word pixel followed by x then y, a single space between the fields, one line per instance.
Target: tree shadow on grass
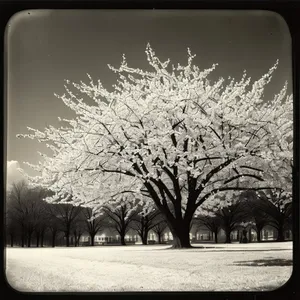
pixel 266 263
pixel 207 249
pixel 223 249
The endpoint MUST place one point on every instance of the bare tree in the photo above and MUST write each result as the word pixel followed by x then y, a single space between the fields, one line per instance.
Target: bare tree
pixel 65 215
pixel 120 218
pixel 212 223
pixel 54 227
pixel 277 206
pixel 11 228
pixel 259 216
pixel 40 230
pixel 78 230
pixel 143 223
pixel 159 229
pixel 25 208
pixel 34 209
pixel 42 221
pixel 15 204
pixel 230 217
pixel 93 224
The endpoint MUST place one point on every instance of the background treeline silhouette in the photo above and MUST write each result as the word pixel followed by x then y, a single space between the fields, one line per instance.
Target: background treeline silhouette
pixel 31 221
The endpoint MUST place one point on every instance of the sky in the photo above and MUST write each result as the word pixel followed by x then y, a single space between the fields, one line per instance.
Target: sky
pixel 14 173
pixel 44 47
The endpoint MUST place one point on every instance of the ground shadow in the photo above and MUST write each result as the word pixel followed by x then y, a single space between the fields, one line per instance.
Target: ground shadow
pixel 207 249
pixel 223 249
pixel 278 262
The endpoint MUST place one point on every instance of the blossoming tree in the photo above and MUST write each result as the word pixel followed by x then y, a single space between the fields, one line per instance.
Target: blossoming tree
pixel 166 136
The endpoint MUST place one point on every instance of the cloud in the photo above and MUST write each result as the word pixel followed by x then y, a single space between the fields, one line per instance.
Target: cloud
pixel 14 173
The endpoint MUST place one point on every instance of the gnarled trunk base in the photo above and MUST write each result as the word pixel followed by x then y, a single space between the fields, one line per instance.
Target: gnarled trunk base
pixel 92 239
pixel 144 240
pixel 123 240
pixel 228 238
pixel 159 238
pixel 181 237
pixel 216 237
pixel 280 236
pixel 258 235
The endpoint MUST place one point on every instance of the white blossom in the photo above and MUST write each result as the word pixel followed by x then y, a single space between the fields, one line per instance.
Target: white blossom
pixel 169 126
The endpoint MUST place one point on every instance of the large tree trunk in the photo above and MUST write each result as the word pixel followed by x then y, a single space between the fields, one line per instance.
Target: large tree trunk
pixel 122 236
pixel 144 238
pixel 258 233
pixel 249 234
pixel 53 238
pixel 159 237
pixel 75 240
pixel 216 236
pixel 92 235
pixel 123 239
pixel 181 240
pixel 78 239
pixel 280 236
pixel 228 238
pixel 181 235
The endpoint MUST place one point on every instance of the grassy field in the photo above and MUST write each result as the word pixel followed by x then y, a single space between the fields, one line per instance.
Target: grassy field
pixel 233 267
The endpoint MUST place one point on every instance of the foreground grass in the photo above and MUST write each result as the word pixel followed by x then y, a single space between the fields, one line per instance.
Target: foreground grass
pixel 150 268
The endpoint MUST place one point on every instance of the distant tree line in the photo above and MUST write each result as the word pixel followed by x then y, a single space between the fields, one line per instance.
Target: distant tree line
pixel 251 210
pixel 31 221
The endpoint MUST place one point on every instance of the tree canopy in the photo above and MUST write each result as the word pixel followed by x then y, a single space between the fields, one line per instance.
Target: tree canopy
pixel 168 136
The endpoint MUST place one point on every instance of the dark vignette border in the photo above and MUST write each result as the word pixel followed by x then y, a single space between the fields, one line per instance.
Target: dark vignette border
pixel 288 9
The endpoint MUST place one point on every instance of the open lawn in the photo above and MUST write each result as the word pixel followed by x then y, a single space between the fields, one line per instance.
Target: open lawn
pixel 208 267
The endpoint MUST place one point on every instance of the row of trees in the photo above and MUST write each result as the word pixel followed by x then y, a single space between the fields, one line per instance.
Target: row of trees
pixel 249 211
pixel 169 137
pixel 28 215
